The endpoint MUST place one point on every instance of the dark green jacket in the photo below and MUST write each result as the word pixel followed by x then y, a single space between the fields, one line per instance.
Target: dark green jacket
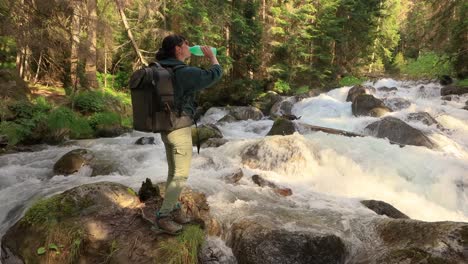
pixel 189 80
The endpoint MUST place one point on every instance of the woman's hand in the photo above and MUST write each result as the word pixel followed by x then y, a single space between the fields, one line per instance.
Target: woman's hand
pixel 209 54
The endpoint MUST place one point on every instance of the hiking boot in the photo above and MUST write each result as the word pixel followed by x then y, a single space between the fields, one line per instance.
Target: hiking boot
pixel 167 225
pixel 179 216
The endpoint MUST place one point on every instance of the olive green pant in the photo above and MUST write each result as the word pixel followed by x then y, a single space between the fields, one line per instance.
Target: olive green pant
pixel 178 144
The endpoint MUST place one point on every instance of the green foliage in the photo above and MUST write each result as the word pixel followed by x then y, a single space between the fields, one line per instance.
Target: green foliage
pixel 90 101
pixel 463 82
pixel 350 81
pixel 14 132
pixel 429 65
pixel 184 249
pixel 281 87
pixel 104 119
pixel 117 82
pixel 41 251
pixel 64 118
pixel 302 90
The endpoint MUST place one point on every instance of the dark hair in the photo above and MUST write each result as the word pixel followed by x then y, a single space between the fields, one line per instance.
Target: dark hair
pixel 167 49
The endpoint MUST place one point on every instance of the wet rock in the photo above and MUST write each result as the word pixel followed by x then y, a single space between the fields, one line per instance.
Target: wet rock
pixel 446 98
pixel 145 141
pixel 283 191
pixel 368 105
pixel 260 241
pixel 453 89
pixel 446 80
pixel 214 251
pixel 397 104
pixel 386 89
pixel 267 101
pixel 214 142
pixel 97 223
pixel 245 112
pixel 358 90
pixel 205 132
pixel 148 191
pixel 410 241
pixel 383 208
pixel 72 161
pixel 423 117
pixel 227 119
pixel 399 132
pixel 291 117
pixel 282 127
pixel 288 151
pixel 235 177
pixel 283 107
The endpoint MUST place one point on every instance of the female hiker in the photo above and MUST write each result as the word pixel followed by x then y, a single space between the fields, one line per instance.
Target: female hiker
pixel 178 143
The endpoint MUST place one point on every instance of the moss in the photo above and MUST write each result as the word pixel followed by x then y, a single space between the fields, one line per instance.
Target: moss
pixel 51 210
pixel 131 191
pixel 184 249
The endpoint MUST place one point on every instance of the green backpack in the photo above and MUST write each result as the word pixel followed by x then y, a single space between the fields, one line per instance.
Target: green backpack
pixel 152 92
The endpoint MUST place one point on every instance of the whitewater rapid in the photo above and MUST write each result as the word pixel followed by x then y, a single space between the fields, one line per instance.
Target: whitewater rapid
pixel 336 172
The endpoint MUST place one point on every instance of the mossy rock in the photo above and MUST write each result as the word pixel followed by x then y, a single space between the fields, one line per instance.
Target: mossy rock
pixel 205 132
pixel 97 223
pixel 282 127
pixel 72 161
pixel 412 256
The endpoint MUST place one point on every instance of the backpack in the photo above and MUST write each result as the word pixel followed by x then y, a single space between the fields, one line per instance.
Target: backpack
pixel 154 107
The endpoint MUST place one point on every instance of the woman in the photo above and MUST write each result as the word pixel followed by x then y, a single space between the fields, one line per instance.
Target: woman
pixel 178 143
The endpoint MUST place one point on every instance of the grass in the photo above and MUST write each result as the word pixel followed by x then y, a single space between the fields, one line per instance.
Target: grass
pixel 184 249
pixel 350 81
pixel 463 82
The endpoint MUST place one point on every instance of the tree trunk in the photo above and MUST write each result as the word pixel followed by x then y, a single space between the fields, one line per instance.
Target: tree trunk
pixel 75 42
pixel 90 67
pixel 129 32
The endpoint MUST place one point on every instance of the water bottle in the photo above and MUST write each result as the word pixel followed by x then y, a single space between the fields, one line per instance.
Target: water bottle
pixel 196 50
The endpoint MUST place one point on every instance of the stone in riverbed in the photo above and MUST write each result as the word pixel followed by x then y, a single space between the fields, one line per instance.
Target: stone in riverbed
pixel 72 161
pixel 383 208
pixel 399 132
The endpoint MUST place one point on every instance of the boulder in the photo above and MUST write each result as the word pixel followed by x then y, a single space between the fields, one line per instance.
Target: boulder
pixel 214 251
pixel 3 141
pixel 214 142
pixel 266 102
pixel 453 89
pixel 283 107
pixel 72 161
pixel 245 113
pixel 358 90
pixel 145 141
pixel 410 241
pixel 260 181
pixel 386 89
pixel 423 117
pixel 102 223
pixel 205 132
pixel 396 104
pixel 398 131
pixel 446 98
pixel 260 241
pixel 383 208
pixel 282 127
pixel 368 105
pixel 234 177
pixel 289 152
pixel 227 119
